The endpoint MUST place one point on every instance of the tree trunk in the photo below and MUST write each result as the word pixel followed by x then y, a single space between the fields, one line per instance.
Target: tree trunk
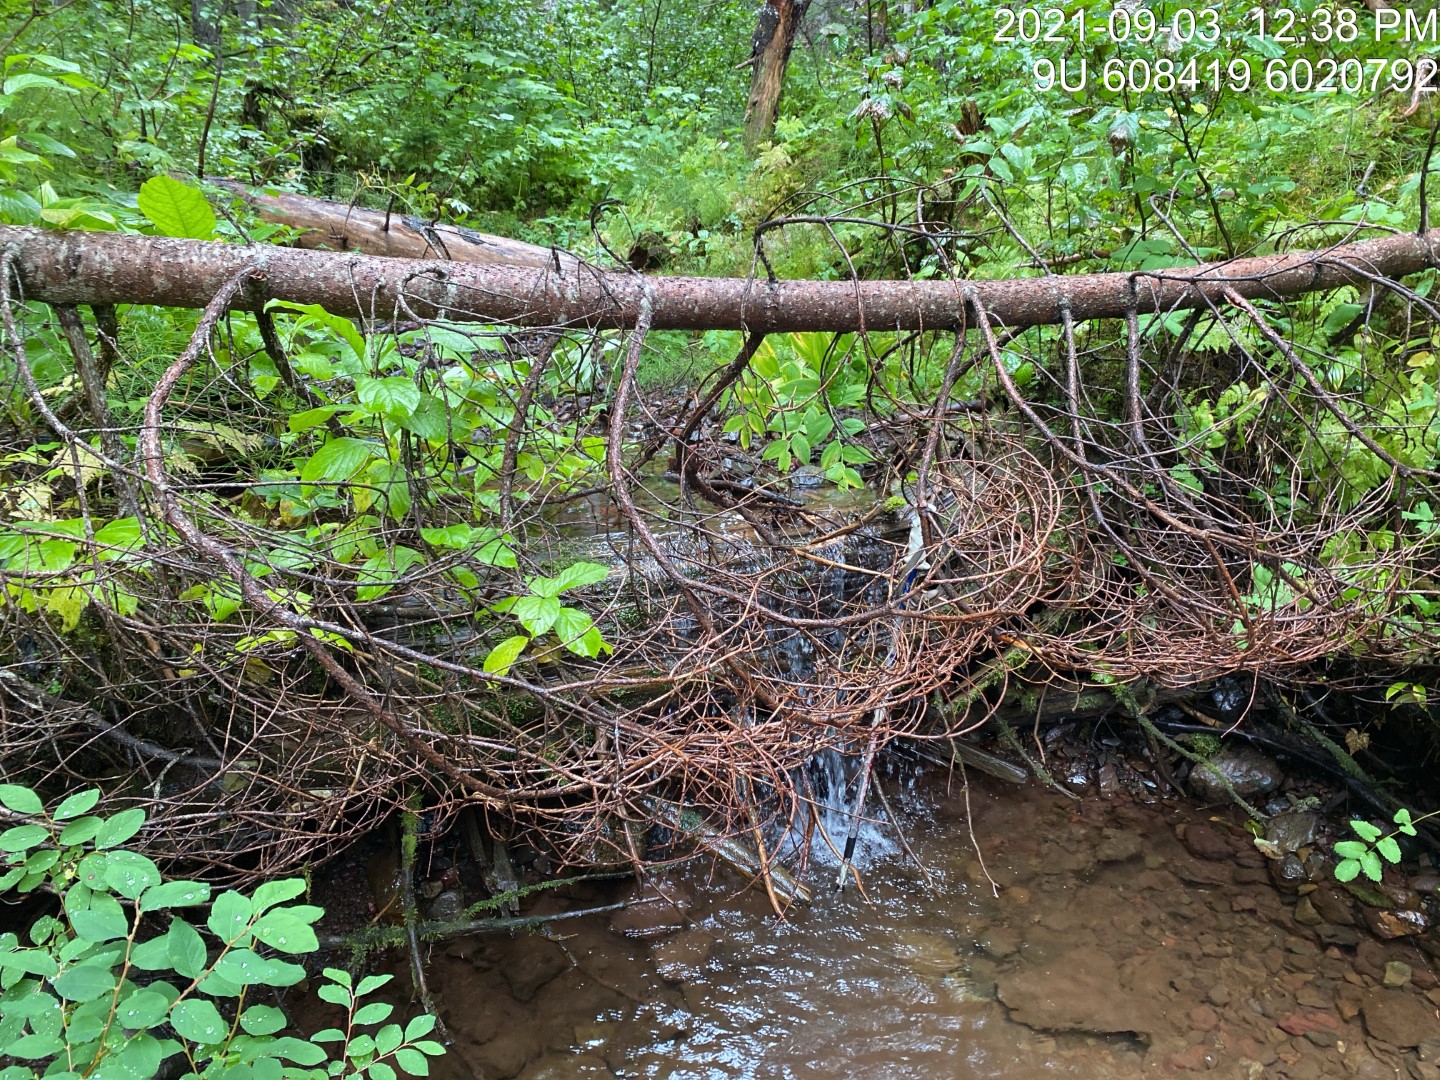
pixel 110 268
pixel 205 24
pixel 769 53
pixel 338 226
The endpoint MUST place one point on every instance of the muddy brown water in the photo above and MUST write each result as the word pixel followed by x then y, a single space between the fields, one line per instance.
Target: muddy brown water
pixel 1111 951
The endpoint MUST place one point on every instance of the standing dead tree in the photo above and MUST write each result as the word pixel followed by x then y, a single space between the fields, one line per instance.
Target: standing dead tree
pixel 775 30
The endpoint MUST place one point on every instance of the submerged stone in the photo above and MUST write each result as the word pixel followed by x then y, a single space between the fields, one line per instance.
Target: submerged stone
pixel 1245 769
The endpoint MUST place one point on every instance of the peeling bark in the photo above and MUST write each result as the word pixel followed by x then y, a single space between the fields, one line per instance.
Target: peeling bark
pixel 108 268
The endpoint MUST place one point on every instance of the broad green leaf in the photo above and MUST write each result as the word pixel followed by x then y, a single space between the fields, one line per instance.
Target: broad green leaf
pixel 130 874
pixel 176 209
pixel 573 576
pixel 412 1061
pixel 174 894
pixel 197 1020
pixel 1389 848
pixel 230 915
pixel 80 831
pixel 23 837
pixel 370 983
pixel 103 920
pixel 20 799
pixel 120 828
pixel 244 967
pixel 579 633
pixel 141 1009
pixel 382 1071
pixel 1370 863
pixel 536 613
pixel 393 396
pixel 374 1013
pixel 298 1051
pixel 335 323
pixel 270 893
pixel 420 1025
pixel 186 949
pixel 262 1020
pixel 338 460
pixel 84 982
pixel 282 930
pixel 82 802
pixel 1350 849
pixel 35 1046
pixel 502 658
pixel 388 1039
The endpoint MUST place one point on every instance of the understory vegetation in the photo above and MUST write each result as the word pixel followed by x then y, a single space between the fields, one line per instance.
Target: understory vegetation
pixel 269 574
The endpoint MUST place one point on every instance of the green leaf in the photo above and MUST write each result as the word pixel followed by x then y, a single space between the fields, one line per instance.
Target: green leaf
pixel 23 837
pixel 176 209
pixel 420 1025
pixel 336 995
pixel 393 396
pixel 1350 849
pixel 186 949
pixel 282 930
pixel 1389 848
pixel 130 874
pixel 1365 830
pixel 388 1039
pixel 334 323
pixel 381 1071
pixel 536 613
pixel 339 976
pixel 262 1020
pixel 142 1009
pixel 80 831
pixel 120 828
pixel 1402 818
pixel 84 982
pixel 230 917
pixel 338 460
pixel 197 1020
pixel 412 1061
pixel 174 894
pixel 103 920
pixel 502 658
pixel 82 802
pixel 374 1013
pixel 298 1051
pixel 35 1046
pixel 270 893
pixel 1370 863
pixel 244 967
pixel 573 576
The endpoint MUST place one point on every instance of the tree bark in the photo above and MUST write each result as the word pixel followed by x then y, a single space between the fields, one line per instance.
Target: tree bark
pixel 110 268
pixel 769 54
pixel 337 226
pixel 205 24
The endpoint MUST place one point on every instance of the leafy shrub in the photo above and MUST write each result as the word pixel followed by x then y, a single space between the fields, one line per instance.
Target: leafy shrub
pixel 97 990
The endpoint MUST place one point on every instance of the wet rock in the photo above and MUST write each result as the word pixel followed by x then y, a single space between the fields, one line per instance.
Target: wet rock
pixel 1398 1018
pixel 1395 924
pixel 807 476
pixel 1302 1023
pixel 1207 842
pixel 682 956
pixel 659 908
pixel 1427 882
pixel 1293 830
pixel 1246 770
pixel 531 964
pixel 1204 1018
pixel 1305 913
pixel 999 942
pixel 1397 974
pixel 1333 905
pixel 447 906
pixel 1288 874
pixel 929 955
pixel 1203 873
pixel 568 1067
pixel 1118 846
pixel 1078 991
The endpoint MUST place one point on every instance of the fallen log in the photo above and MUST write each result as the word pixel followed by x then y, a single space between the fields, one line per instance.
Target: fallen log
pixel 109 268
pixel 335 226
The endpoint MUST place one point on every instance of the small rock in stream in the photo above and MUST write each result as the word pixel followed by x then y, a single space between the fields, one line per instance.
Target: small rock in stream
pixel 1293 830
pixel 1395 924
pixel 1247 770
pixel 1397 974
pixel 1207 842
pixel 1398 1018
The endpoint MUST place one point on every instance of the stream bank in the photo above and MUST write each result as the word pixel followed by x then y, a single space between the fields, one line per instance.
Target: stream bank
pixel 1126 935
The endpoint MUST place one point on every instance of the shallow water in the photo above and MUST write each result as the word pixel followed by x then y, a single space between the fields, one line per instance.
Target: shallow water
pixel 1110 951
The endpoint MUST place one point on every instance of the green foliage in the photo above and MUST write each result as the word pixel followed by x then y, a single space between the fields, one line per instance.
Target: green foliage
pixel 130 970
pixel 540 612
pixel 1365 854
pixel 791 396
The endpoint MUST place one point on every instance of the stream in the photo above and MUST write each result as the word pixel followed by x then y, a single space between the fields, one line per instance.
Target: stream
pixel 1124 936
